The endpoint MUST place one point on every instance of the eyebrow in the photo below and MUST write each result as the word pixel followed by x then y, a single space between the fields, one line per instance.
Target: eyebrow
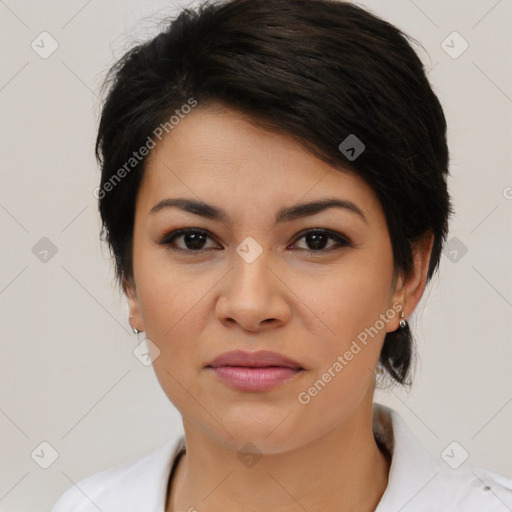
pixel 284 215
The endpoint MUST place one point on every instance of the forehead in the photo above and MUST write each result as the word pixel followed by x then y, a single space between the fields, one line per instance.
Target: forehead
pixel 221 156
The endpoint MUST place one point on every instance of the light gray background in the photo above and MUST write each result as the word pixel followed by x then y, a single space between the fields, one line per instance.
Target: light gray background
pixel 68 374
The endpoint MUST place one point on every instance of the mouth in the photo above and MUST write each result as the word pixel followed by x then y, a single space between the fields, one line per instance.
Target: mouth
pixel 257 371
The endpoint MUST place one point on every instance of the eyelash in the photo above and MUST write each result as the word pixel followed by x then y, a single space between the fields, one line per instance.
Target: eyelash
pixel 340 239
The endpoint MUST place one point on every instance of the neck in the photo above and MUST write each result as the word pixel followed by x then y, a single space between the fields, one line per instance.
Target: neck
pixel 343 470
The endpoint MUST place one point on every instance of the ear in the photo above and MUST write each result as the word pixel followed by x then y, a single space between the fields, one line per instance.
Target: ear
pixel 133 304
pixel 409 289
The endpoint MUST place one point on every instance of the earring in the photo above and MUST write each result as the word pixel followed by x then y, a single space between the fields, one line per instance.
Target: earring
pixel 134 329
pixel 403 322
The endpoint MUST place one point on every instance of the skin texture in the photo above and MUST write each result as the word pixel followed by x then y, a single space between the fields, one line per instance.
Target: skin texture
pixel 194 306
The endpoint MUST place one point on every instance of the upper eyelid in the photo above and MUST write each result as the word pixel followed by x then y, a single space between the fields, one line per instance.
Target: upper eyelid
pixel 329 232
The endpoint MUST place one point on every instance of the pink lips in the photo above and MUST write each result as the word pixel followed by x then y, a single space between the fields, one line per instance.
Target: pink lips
pixel 256 371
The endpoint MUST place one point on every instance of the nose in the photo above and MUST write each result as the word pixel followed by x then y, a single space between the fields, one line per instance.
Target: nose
pixel 253 296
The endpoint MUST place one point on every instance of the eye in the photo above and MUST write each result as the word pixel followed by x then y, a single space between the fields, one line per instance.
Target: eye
pixel 192 239
pixel 317 239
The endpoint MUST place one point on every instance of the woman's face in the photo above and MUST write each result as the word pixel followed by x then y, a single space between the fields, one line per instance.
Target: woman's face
pixel 260 279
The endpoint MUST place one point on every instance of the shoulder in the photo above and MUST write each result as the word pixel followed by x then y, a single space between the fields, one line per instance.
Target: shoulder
pixel 133 486
pixel 420 482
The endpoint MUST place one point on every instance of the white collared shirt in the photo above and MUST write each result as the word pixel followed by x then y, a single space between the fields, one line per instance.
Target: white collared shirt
pixel 417 482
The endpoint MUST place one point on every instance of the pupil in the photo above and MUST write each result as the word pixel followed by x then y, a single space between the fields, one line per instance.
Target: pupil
pixel 316 243
pixel 194 240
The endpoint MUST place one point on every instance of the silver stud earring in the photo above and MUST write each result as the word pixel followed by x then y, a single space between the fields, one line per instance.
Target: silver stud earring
pixel 403 321
pixel 134 329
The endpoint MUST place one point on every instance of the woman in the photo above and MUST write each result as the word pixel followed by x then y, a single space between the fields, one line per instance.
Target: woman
pixel 274 195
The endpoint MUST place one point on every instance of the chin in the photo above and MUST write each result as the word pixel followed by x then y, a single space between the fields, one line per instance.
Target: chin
pixel 258 430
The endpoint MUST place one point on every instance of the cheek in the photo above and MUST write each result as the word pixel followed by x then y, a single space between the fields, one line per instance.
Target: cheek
pixel 168 291
pixel 348 348
pixel 175 301
pixel 349 298
pixel 170 307
pixel 170 304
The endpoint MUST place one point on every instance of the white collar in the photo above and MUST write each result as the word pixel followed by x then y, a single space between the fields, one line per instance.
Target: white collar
pixel 417 481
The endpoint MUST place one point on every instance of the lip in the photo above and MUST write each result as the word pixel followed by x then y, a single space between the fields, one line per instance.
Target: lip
pixel 260 359
pixel 254 371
